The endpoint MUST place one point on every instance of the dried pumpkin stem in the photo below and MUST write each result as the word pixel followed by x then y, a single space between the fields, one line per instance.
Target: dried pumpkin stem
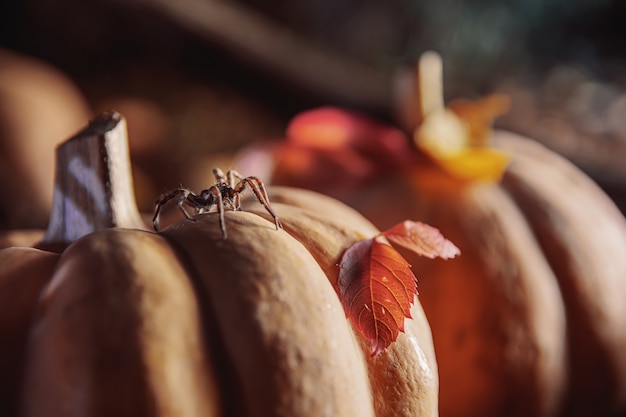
pixel 420 92
pixel 429 83
pixel 93 187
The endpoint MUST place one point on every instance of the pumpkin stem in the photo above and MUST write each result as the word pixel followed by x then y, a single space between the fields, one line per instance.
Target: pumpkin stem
pixel 456 136
pixel 429 84
pixel 93 187
pixel 419 91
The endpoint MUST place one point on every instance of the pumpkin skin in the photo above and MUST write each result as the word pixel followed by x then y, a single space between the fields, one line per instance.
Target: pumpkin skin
pixel 142 300
pixel 580 235
pixel 124 272
pixel 583 235
pixel 24 272
pixel 20 237
pixel 529 320
pixel 121 321
pixel 497 315
pixel 273 305
pixel 130 336
pixel 404 378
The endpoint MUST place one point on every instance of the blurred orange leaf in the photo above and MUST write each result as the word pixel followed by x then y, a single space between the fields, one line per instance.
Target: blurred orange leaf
pixel 478 164
pixel 480 114
pixel 457 138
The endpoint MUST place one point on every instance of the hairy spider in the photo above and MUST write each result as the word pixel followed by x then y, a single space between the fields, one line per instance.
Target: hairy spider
pixel 225 193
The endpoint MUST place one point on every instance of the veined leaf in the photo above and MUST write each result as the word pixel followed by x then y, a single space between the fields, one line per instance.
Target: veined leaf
pixel 376 284
pixel 422 239
pixel 377 289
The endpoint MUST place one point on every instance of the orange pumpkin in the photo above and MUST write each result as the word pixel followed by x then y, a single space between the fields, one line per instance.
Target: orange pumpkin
pixel 530 319
pixel 117 320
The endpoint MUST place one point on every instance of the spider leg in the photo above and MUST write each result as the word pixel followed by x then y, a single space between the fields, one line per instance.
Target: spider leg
pixel 157 211
pixel 180 203
pixel 235 175
pixel 231 175
pixel 180 193
pixel 233 203
pixel 219 175
pixel 260 185
pixel 257 187
pixel 236 201
pixel 220 208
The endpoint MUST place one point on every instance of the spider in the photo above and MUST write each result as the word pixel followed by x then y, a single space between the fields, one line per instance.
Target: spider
pixel 225 193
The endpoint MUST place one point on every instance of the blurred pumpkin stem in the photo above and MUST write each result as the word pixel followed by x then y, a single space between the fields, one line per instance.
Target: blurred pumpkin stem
pixel 456 137
pixel 429 85
pixel 93 188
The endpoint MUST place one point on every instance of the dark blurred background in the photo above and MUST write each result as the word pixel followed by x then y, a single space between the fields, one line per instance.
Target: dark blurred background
pixel 199 79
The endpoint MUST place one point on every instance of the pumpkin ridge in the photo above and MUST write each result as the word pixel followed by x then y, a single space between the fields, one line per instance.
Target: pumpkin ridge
pixel 223 364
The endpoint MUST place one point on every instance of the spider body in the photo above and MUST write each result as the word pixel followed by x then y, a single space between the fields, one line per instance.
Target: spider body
pixel 225 193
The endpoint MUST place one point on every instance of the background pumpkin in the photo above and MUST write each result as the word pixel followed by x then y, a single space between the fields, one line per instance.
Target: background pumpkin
pixel 32 90
pixel 497 314
pixel 521 320
pixel 185 323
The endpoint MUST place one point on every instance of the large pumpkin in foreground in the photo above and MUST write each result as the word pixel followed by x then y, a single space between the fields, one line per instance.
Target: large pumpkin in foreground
pixel 530 319
pixel 126 322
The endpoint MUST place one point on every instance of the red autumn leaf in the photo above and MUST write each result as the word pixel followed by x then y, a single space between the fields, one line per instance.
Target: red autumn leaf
pixel 325 128
pixel 377 289
pixel 422 239
pixel 331 129
pixel 330 147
